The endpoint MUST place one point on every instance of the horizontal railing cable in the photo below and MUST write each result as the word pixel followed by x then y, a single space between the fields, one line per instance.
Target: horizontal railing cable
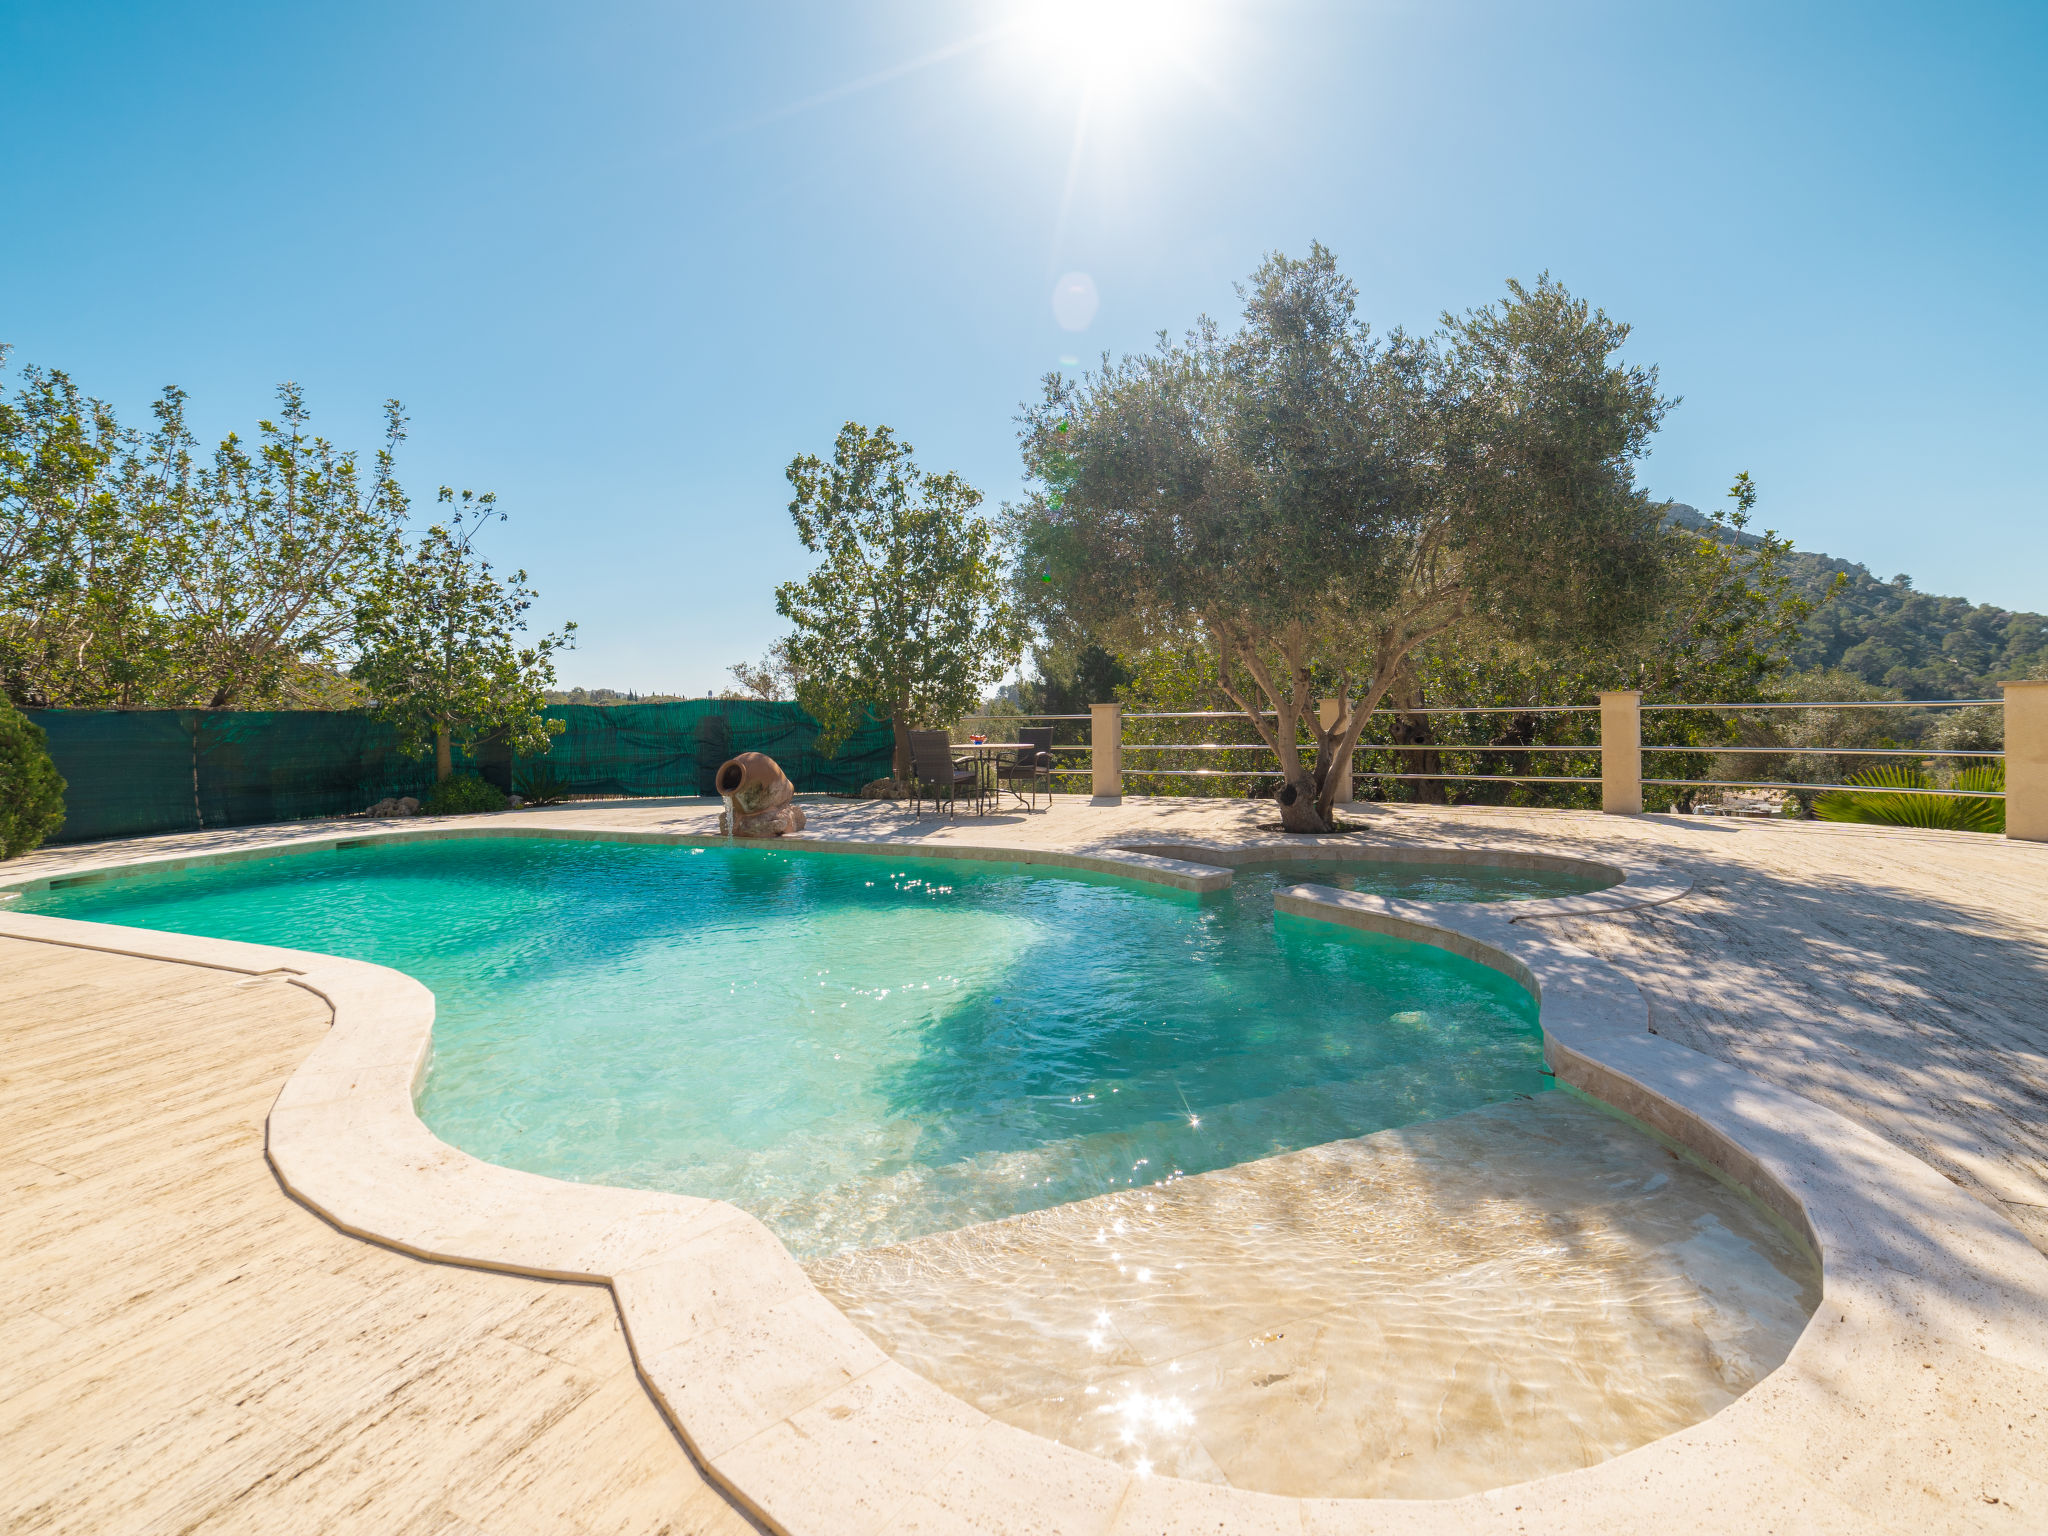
pixel 1828 751
pixel 1481 778
pixel 1274 773
pixel 1532 778
pixel 1581 746
pixel 1537 709
pixel 1853 789
pixel 1363 746
pixel 1310 748
pixel 1838 704
pixel 1384 709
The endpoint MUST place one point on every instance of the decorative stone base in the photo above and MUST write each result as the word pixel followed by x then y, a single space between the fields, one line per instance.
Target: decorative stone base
pixel 780 822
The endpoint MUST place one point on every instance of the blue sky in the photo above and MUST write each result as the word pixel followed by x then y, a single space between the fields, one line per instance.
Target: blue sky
pixel 622 261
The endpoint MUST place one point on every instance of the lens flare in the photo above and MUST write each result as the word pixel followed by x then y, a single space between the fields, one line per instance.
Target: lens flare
pixel 1075 301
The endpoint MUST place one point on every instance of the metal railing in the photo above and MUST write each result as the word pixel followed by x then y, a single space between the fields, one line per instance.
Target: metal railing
pixel 1743 709
pixel 1595 749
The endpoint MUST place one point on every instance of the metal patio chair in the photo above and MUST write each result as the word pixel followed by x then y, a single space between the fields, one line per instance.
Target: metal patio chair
pixel 1029 766
pixel 934 772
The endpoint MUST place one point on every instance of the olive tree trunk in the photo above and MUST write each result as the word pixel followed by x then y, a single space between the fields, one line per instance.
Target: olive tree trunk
pixel 1300 796
pixel 899 760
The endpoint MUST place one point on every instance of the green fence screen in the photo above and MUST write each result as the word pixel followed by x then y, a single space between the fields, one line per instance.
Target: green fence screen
pixel 129 772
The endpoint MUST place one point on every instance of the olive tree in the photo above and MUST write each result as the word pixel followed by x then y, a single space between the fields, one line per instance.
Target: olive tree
pixel 437 636
pixel 1314 503
pixel 908 609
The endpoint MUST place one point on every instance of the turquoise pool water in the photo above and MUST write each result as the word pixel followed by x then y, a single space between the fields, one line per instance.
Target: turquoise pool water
pixel 861 1049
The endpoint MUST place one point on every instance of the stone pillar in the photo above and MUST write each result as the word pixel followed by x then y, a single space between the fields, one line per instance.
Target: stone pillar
pixel 1330 723
pixel 2026 761
pixel 1106 736
pixel 1621 753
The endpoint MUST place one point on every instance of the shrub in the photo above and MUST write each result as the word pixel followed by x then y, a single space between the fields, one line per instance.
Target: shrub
pixel 461 795
pixel 31 793
pixel 1946 813
pixel 538 785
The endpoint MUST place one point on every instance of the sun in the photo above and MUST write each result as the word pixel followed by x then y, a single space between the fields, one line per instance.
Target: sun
pixel 1112 47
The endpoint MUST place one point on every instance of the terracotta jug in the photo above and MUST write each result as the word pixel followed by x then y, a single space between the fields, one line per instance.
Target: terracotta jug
pixel 759 799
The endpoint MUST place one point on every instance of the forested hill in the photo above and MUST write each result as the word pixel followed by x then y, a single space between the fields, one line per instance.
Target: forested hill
pixel 1911 643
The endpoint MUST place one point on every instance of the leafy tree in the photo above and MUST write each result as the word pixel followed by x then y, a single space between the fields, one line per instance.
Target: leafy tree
pixel 1723 633
pixel 273 550
pixel 1978 729
pixel 1071 676
pixel 770 678
pixel 1732 615
pixel 907 611
pixel 1316 503
pixel 438 649
pixel 83 523
pixel 31 793
pixel 1832 742
pixel 132 575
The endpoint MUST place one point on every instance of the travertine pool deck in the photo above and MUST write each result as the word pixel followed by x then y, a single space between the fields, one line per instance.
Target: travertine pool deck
pixel 1895 977
pixel 185 1348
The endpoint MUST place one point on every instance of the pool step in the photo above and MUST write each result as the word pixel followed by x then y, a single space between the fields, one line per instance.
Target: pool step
pixel 918 1198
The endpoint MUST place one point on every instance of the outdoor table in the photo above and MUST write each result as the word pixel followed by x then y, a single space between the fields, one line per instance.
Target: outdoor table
pixel 987 786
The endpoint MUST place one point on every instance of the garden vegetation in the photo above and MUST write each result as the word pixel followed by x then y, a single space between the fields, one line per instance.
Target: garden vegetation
pixel 276 572
pixel 1300 507
pixel 31 792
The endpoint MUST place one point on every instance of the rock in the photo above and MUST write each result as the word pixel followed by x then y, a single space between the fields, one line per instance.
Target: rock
pixel 757 796
pixel 885 789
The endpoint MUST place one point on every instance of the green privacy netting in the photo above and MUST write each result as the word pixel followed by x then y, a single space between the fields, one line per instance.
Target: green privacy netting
pixel 129 772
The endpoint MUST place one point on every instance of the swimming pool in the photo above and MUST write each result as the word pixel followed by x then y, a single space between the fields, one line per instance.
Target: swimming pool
pixel 865 1048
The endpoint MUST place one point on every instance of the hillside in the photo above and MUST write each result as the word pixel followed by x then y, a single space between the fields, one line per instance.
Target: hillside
pixel 1915 644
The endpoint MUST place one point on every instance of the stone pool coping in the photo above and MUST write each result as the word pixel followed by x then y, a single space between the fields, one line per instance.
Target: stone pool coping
pixel 1926 1364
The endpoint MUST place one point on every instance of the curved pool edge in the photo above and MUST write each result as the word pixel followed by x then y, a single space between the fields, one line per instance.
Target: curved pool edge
pixel 1927 1295
pixel 1185 864
pixel 1635 882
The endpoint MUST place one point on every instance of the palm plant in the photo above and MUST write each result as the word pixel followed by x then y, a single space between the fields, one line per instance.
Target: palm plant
pixel 539 785
pixel 1967 809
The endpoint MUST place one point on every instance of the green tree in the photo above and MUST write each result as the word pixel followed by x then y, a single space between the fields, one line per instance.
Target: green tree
pixel 1072 676
pixel 84 525
pixel 437 637
pixel 31 793
pixel 907 611
pixel 1316 503
pixel 272 550
pixel 133 575
pixel 770 678
pixel 1723 633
